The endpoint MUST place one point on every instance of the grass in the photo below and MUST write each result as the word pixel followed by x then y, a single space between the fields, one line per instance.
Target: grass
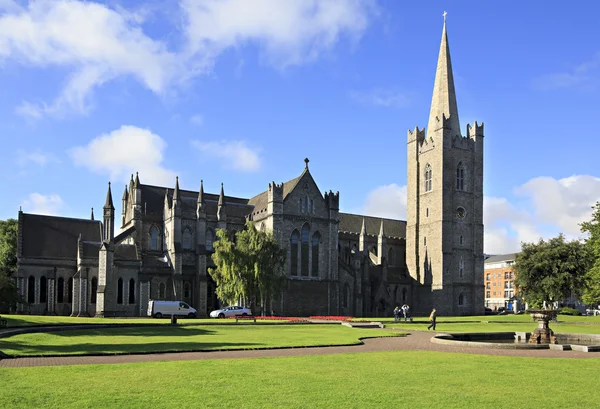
pixel 382 379
pixel 181 338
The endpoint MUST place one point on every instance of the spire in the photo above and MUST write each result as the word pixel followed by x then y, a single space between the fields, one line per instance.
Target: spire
pixel 201 193
pixel 176 191
pixel 443 101
pixel 124 194
pixel 381 233
pixel 136 184
pixel 92 216
pixel 222 197
pixel 363 229
pixel 109 202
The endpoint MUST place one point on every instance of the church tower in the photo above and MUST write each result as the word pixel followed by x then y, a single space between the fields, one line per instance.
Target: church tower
pixel 444 232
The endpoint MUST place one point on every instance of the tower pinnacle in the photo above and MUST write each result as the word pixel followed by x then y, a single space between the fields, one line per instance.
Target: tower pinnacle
pixel 443 101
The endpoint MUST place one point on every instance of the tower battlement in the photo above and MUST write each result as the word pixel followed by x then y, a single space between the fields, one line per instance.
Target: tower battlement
pixel 275 192
pixel 332 200
pixel 475 131
pixel 416 135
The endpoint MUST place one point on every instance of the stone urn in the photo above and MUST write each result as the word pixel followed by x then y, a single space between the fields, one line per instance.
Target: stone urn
pixel 542 334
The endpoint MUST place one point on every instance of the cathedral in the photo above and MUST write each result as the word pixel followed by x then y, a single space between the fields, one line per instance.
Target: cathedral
pixel 337 263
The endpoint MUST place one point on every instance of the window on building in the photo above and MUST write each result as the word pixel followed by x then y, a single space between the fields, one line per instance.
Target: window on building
pixel 31 290
pixel 460 240
pixel 70 290
pixel 487 286
pixel 43 290
pixel 316 239
pixel 209 240
pixel 427 212
pixel 487 277
pixel 305 207
pixel 94 291
pixel 487 294
pixel 162 291
pixel 60 290
pixel 310 206
pixel 120 291
pixel 186 290
pixel 512 275
pixel 187 239
pixel 494 284
pixel 304 249
pixel 506 275
pixel 460 177
pixel 300 205
pixel 294 253
pixel 461 300
pixel 461 267
pixel 154 238
pixel 428 177
pixel 132 291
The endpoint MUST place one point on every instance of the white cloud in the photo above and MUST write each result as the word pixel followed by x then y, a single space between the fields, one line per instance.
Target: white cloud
pixel 381 97
pixel 386 201
pixel 197 120
pixel 582 77
pixel 96 44
pixel 38 157
pixel 123 152
pixel 40 204
pixel 232 154
pixel 290 32
pixel 542 208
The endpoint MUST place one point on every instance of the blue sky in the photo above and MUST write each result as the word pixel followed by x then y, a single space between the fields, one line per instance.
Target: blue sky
pixel 240 92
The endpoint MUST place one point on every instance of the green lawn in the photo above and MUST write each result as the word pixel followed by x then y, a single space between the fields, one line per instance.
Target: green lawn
pixel 363 380
pixel 182 338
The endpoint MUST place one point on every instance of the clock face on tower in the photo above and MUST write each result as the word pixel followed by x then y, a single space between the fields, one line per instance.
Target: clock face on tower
pixel 461 212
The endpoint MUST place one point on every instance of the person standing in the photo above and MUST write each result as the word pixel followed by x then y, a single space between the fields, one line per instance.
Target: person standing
pixel 432 318
pixel 405 310
pixel 396 313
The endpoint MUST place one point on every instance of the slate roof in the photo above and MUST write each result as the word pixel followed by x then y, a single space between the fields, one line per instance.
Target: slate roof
pixel 126 252
pixel 501 257
pixel 56 237
pixel 153 199
pixel 352 223
pixel 91 249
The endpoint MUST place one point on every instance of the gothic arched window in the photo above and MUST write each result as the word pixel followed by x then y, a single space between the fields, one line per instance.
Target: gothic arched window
pixel 60 290
pixel 300 205
pixel 460 177
pixel 461 267
pixel 209 240
pixel 294 253
pixel 154 238
pixel 94 290
pixel 186 290
pixel 305 207
pixel 120 291
pixel 132 291
pixel 304 250
pixel 311 206
pixel 428 178
pixel 43 290
pixel 316 239
pixel 187 239
pixel 461 300
pixel 460 240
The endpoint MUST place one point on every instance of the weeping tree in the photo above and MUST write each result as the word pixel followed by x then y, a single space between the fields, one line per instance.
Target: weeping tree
pixel 551 270
pixel 248 268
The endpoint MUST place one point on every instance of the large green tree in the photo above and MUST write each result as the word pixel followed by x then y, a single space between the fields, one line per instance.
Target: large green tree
pixel 249 267
pixel 9 295
pixel 591 292
pixel 551 270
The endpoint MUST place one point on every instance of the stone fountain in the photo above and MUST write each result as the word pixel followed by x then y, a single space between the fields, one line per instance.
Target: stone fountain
pixel 542 334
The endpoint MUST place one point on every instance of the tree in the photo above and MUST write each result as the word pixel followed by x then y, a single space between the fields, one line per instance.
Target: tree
pixel 591 292
pixel 551 270
pixel 8 246
pixel 248 268
pixel 9 295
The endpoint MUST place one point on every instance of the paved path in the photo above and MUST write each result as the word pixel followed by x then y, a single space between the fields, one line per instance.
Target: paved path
pixel 416 340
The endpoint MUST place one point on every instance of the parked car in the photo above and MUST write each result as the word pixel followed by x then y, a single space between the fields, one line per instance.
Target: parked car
pixel 488 311
pixel 230 312
pixel 591 311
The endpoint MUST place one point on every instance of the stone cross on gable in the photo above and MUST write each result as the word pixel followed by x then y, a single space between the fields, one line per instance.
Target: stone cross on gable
pixel 444 16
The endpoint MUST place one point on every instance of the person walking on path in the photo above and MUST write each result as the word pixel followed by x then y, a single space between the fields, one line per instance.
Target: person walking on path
pixel 405 309
pixel 396 313
pixel 432 318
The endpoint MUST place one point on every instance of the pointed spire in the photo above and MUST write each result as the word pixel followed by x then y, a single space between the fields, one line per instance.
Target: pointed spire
pixel 381 232
pixel 92 216
pixel 124 194
pixel 136 184
pixel 176 191
pixel 443 101
pixel 109 201
pixel 363 229
pixel 222 197
pixel 201 193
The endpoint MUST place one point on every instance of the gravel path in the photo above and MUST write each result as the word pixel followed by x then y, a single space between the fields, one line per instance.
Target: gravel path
pixel 415 341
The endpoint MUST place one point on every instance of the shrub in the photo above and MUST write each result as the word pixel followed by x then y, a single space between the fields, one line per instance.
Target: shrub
pixel 569 311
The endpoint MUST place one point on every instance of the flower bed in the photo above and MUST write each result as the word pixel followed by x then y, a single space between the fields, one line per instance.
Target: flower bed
pixel 330 318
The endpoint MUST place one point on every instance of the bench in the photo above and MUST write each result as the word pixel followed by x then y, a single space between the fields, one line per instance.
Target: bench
pixel 245 317
pixel 3 322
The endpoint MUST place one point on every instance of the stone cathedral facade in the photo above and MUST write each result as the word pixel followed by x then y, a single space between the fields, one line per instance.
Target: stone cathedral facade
pixel 337 264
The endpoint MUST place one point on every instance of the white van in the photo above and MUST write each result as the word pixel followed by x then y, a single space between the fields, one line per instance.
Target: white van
pixel 159 309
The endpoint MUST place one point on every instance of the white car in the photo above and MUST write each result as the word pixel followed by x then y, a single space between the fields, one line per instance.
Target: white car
pixel 591 311
pixel 230 312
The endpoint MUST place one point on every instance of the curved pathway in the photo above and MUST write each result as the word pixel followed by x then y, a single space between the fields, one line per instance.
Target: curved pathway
pixel 416 341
